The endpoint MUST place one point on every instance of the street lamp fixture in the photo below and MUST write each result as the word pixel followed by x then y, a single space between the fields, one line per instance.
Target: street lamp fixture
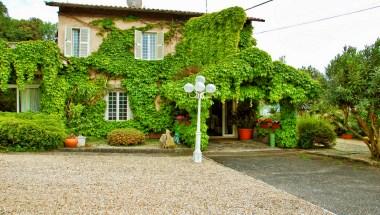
pixel 199 88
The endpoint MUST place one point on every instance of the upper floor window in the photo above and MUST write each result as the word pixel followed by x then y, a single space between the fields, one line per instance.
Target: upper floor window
pixel 149 45
pixel 77 42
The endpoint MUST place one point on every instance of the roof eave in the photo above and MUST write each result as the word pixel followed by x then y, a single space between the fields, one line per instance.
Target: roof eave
pixel 141 10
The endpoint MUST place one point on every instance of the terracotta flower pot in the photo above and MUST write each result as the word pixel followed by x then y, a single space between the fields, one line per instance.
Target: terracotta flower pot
pixel 71 143
pixel 245 133
pixel 347 136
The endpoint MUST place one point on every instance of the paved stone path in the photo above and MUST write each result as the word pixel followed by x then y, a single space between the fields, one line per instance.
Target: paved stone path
pixel 354 150
pixel 354 146
pixel 232 145
pixel 90 183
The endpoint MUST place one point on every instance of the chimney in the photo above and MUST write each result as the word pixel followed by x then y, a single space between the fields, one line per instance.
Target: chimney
pixel 134 3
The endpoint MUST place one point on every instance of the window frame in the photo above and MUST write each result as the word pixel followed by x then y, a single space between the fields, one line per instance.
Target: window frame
pixel 71 41
pixel 151 56
pixel 18 98
pixel 128 109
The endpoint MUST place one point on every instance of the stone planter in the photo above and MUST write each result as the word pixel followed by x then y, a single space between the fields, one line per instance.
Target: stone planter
pixel 81 141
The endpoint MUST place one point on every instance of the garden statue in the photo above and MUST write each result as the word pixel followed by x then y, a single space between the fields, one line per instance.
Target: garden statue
pixel 167 140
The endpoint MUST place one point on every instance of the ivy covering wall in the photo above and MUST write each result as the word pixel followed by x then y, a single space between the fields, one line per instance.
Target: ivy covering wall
pixel 217 45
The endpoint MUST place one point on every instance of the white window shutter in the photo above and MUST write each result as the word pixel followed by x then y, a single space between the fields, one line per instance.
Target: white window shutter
pixel 84 46
pixel 160 49
pixel 68 42
pixel 107 104
pixel 138 44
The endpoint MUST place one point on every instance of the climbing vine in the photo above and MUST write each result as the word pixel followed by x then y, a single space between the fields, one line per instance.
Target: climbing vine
pixel 286 137
pixel 6 58
pixel 217 45
pixel 246 39
pixel 36 58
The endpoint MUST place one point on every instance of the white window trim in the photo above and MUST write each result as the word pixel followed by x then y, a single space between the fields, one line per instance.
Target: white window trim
pixel 14 86
pixel 129 111
pixel 80 42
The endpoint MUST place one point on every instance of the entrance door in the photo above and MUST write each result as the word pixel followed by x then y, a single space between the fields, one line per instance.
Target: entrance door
pixel 220 123
pixel 228 125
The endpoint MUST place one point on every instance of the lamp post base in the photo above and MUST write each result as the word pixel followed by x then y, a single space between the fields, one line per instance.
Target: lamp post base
pixel 197 156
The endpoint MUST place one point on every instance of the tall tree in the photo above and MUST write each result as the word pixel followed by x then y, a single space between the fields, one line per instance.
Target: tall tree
pixel 3 10
pixel 14 30
pixel 354 83
pixel 317 105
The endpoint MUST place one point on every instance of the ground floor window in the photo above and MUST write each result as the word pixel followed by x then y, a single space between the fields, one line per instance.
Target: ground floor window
pixel 117 106
pixel 17 100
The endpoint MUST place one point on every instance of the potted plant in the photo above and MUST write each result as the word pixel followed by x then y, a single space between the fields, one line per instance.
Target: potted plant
pixel 266 123
pixel 71 141
pixel 347 135
pixel 245 120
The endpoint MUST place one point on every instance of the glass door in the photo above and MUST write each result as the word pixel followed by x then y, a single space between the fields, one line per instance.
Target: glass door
pixel 228 125
pixel 214 122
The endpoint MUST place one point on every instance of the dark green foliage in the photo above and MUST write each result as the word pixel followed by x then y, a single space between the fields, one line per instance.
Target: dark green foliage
pixel 30 131
pixel 313 130
pixel 14 30
pixel 354 80
pixel 245 116
pixel 3 10
pixel 125 136
pixel 343 71
pixel 23 30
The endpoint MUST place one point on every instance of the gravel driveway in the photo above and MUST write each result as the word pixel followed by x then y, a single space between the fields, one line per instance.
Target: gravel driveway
pixel 65 183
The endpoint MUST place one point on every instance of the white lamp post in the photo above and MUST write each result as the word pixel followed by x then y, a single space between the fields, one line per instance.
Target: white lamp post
pixel 200 89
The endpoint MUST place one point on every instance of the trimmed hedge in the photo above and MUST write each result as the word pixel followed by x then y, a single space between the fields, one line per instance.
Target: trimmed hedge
pixel 125 136
pixel 313 130
pixel 31 131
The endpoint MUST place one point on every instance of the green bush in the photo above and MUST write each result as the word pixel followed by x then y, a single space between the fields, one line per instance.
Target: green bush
pixel 125 136
pixel 31 131
pixel 313 130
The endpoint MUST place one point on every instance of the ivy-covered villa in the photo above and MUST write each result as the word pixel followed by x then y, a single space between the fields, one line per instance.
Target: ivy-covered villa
pixel 116 67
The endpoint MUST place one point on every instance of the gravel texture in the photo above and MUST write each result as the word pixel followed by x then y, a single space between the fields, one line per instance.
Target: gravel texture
pixel 69 183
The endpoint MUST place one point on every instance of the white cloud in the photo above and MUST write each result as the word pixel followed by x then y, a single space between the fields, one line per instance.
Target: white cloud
pixel 314 44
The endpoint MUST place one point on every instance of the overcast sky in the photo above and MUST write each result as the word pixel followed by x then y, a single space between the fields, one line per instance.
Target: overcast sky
pixel 314 44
